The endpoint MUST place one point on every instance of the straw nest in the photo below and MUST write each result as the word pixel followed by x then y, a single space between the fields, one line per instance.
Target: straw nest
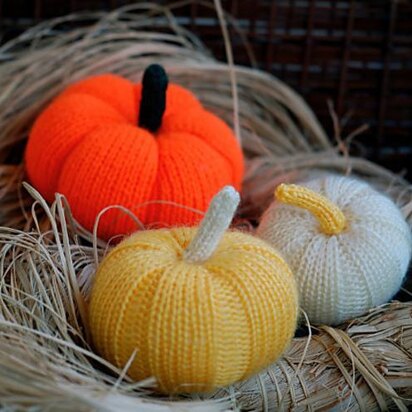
pixel 47 261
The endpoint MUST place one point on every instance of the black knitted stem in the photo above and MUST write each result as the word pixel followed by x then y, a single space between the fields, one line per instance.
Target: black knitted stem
pixel 153 102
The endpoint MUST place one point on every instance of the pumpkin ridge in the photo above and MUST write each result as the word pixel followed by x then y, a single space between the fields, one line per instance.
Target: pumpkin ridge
pixel 180 161
pixel 150 211
pixel 57 172
pixel 208 316
pixel 228 277
pixel 101 100
pixel 104 197
pixel 221 155
pixel 263 283
pixel 81 139
pixel 185 125
pixel 86 87
pixel 117 334
pixel 161 300
pixel 357 263
pixel 46 130
pixel 231 161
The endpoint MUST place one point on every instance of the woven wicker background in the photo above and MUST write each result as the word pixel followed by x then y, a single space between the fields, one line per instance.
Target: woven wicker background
pixel 358 54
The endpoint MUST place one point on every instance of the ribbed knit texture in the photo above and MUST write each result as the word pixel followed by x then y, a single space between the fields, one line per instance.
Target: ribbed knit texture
pixel 331 219
pixel 86 144
pixel 194 326
pixel 219 217
pixel 342 275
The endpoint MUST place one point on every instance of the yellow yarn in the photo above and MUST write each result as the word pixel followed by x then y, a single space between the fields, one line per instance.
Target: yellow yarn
pixel 194 323
pixel 331 219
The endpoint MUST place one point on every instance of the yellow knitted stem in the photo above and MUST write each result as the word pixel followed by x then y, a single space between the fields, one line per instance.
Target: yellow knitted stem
pixel 332 220
pixel 213 226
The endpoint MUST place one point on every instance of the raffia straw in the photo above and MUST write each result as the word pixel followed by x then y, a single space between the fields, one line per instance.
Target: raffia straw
pixel 47 262
pixel 379 346
pixel 364 365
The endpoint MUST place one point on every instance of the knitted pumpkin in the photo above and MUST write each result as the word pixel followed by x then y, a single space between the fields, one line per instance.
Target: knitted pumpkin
pixel 348 245
pixel 198 308
pixel 106 141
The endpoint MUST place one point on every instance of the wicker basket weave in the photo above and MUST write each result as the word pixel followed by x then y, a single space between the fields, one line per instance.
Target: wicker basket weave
pixel 355 53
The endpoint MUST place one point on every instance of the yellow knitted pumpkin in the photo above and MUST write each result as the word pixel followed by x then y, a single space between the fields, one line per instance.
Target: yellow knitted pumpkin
pixel 196 308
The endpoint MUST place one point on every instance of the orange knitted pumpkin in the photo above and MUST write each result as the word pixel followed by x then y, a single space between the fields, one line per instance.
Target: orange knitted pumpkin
pixel 106 141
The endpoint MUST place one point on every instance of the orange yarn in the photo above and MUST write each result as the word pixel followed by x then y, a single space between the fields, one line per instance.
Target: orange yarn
pixel 87 145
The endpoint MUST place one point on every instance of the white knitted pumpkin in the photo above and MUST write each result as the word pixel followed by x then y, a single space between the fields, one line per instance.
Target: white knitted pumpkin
pixel 348 245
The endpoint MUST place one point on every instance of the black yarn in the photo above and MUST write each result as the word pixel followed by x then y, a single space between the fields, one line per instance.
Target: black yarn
pixel 153 102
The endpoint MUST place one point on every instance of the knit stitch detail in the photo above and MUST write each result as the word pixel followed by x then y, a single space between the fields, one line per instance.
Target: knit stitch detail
pixel 194 327
pixel 332 220
pixel 217 220
pixel 86 145
pixel 341 275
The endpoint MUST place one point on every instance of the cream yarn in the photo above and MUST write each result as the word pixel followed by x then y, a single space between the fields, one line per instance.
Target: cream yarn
pixel 343 273
pixel 219 216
